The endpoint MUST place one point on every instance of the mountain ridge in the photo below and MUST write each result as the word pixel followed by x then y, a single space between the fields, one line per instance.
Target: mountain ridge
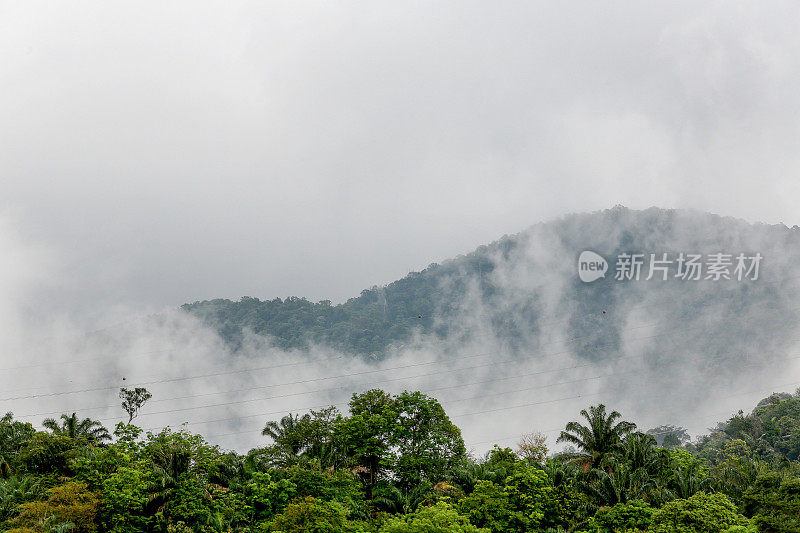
pixel 512 281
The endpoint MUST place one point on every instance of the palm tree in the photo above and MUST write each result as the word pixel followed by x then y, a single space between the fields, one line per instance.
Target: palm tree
pixel 735 475
pixel 389 499
pixel 13 436
pixel 171 460
pixel 231 470
pixel 635 470
pixel 641 451
pixel 76 429
pixel 561 475
pixel 688 480
pixel 17 490
pixel 601 437
pixel 289 433
pixel 619 485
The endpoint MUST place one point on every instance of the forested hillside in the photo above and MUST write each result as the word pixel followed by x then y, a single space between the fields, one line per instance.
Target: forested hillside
pixel 397 464
pixel 369 323
pixel 518 287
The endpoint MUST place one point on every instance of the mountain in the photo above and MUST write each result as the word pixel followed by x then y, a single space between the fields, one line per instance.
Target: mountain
pixel 523 292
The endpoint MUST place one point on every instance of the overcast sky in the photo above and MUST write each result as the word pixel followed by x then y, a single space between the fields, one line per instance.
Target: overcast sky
pixel 165 152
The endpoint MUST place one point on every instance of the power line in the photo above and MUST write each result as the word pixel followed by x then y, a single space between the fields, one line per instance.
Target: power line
pixel 269 367
pixel 186 424
pixel 422 375
pixel 367 372
pixel 717 413
pixel 518 406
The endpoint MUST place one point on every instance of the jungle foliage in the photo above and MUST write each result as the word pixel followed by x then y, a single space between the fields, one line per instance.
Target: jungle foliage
pixel 397 464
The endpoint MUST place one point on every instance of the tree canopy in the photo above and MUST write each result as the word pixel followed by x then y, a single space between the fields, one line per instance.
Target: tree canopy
pixel 396 463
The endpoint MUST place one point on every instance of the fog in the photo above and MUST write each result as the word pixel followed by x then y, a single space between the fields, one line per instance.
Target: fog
pixel 159 155
pixel 195 150
pixel 660 352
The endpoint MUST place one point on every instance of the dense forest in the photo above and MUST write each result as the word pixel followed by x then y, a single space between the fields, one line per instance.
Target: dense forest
pixel 516 288
pixel 379 318
pixel 396 464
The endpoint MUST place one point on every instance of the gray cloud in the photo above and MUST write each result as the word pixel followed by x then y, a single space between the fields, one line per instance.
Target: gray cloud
pixel 196 150
pixel 682 352
pixel 163 154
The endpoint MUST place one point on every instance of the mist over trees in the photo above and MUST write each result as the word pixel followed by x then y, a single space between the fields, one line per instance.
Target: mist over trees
pixel 395 460
pixel 518 287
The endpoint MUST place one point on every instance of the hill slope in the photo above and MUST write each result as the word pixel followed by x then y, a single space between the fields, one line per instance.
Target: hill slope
pixel 523 290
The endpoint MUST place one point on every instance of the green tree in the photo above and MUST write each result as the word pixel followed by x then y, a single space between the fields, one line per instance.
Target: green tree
pixel 47 453
pixel 191 503
pixel 774 503
pixel 311 515
pixel 701 513
pixel 523 503
pixel 179 465
pixel 289 434
pixel 124 498
pixel 618 483
pixel 636 470
pixel 76 429
pixel 311 436
pixel 641 451
pixel 566 507
pixel 267 497
pixel 529 490
pixel 369 431
pixel 439 518
pixel 669 435
pixel 70 503
pixel 631 516
pixel 133 400
pixel 488 506
pixel 688 475
pixel 408 437
pixel 325 484
pixel 13 436
pixel 323 443
pixel 18 490
pixel 738 469
pixel 601 436
pixel 428 444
